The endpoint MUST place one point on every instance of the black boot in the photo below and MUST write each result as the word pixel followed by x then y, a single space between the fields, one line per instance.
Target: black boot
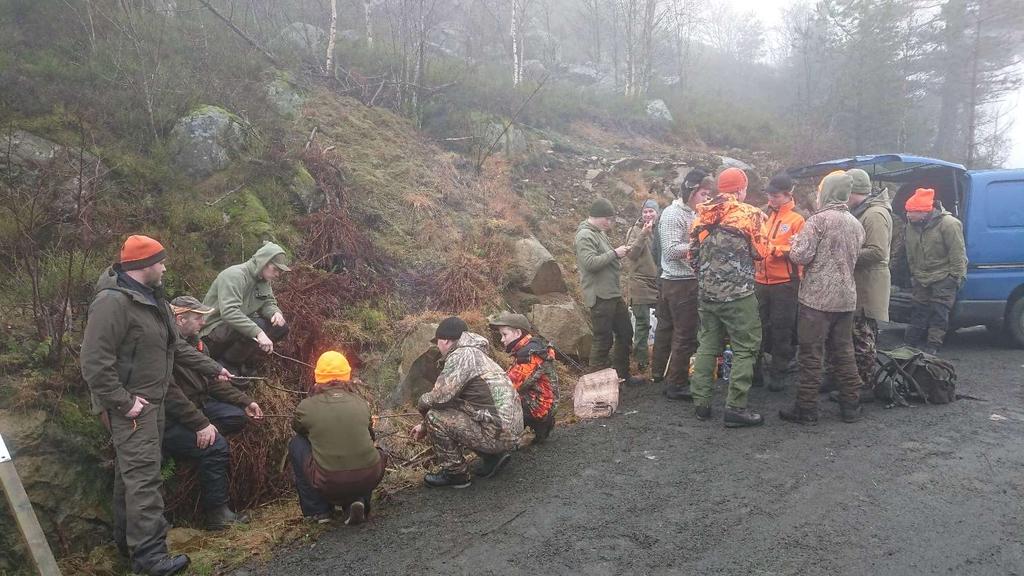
pixel 445 478
pixel 799 415
pixel 542 429
pixel 166 566
pixel 677 392
pixel 222 517
pixel 489 464
pixel 356 513
pixel 741 418
pixel 702 412
pixel 851 413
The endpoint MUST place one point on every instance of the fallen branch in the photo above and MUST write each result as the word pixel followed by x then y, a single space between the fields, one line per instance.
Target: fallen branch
pixel 266 53
pixel 226 194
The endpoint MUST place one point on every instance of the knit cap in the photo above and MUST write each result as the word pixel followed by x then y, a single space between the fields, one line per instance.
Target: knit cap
pixel 332 366
pixel 602 208
pixel 140 252
pixel 861 182
pixel 923 200
pixel 732 180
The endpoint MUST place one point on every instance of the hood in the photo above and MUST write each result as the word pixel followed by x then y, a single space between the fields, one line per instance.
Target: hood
pixel 880 198
pixel 835 189
pixel 472 340
pixel 586 225
pixel 262 256
pixel 108 281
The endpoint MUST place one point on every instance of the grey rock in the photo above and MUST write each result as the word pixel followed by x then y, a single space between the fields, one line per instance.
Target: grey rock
pixel 534 269
pixel 534 69
pixel 304 41
pixel 284 97
pixel 305 191
pixel 582 74
pixel 565 326
pixel 730 162
pixel 658 110
pixel 418 367
pixel 206 141
pixel 29 153
pixel 513 142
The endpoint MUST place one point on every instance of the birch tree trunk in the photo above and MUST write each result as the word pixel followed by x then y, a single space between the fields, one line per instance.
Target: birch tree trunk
pixel 368 15
pixel 331 35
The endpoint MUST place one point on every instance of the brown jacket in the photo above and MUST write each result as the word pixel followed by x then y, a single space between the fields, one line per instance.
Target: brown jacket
pixel 828 247
pixel 641 270
pixel 191 389
pixel 337 423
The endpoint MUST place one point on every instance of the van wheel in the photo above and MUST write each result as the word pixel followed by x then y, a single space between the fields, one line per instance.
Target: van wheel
pixel 1015 321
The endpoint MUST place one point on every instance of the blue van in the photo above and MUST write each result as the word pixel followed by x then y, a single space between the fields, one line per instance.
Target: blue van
pixel 990 203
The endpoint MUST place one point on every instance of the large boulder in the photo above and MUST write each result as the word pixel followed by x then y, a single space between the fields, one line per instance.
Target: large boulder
pixel 24 155
pixel 303 41
pixel 658 111
pixel 534 70
pixel 512 141
pixel 206 141
pixel 419 364
pixel 534 269
pixel 564 325
pixel 284 97
pixel 304 190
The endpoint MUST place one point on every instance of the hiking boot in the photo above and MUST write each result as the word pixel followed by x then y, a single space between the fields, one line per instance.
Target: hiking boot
pixel 542 429
pixel 676 392
pixel 799 415
pixel 741 417
pixel 356 514
pixel 221 518
pixel 489 464
pixel 448 479
pixel 702 412
pixel 166 566
pixel 851 413
pixel 866 397
pixel 636 381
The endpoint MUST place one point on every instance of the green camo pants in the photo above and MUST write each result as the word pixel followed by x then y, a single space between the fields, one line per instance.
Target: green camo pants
pixel 739 321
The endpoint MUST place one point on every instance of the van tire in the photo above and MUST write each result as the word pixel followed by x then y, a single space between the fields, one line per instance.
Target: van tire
pixel 1015 321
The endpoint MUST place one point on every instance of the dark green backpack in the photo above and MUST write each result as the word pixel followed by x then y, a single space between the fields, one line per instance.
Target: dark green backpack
pixel 906 375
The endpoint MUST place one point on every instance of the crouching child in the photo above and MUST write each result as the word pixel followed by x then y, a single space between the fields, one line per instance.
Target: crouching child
pixel 333 456
pixel 532 372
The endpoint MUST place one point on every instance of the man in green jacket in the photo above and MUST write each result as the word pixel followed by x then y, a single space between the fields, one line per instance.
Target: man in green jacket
pixel 874 212
pixel 599 270
pixel 246 317
pixel 642 271
pixel 200 412
pixel 128 353
pixel 938 265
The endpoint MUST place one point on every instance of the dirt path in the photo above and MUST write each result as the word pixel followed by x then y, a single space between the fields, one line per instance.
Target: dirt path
pixel 931 490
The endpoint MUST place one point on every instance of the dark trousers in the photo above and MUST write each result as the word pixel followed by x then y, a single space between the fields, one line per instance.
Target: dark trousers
pixel 777 305
pixel 832 332
pixel 138 507
pixel 611 326
pixel 675 338
pixel 233 349
pixel 180 442
pixel 929 314
pixel 341 488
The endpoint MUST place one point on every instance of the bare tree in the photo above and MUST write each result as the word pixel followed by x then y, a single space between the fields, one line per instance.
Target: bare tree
pixel 519 16
pixel 332 34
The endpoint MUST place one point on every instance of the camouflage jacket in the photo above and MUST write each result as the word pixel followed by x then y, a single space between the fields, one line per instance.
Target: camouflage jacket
pixel 473 383
pixel 727 237
pixel 828 247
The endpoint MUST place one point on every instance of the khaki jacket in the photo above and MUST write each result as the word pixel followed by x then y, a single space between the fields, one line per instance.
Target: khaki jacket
pixel 239 292
pixel 641 269
pixel 872 271
pixel 337 423
pixel 598 265
pixel 936 250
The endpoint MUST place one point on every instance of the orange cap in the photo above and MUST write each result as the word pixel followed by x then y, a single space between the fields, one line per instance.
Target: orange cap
pixel 923 200
pixel 732 180
pixel 332 366
pixel 140 251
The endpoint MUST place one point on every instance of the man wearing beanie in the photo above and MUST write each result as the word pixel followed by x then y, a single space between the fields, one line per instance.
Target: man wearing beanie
pixel 642 277
pixel 473 405
pixel 675 338
pixel 128 353
pixel 778 281
pixel 874 212
pixel 828 248
pixel 599 269
pixel 333 457
pixel 201 411
pixel 727 237
pixel 246 317
pixel 938 265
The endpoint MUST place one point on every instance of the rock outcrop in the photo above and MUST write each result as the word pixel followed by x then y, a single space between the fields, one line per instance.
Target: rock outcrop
pixel 206 141
pixel 534 269
pixel 565 326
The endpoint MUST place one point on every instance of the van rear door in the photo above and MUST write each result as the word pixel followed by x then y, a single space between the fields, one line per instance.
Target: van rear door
pixel 994 229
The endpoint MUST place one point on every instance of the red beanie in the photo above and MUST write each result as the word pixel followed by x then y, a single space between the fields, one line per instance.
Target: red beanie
pixel 732 180
pixel 140 252
pixel 923 200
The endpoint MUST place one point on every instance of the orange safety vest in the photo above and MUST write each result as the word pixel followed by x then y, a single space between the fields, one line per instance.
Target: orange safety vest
pixel 779 230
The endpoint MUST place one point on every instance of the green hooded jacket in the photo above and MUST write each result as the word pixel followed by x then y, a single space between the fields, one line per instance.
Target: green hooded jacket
pixel 130 346
pixel 598 265
pixel 936 250
pixel 240 292
pixel 872 272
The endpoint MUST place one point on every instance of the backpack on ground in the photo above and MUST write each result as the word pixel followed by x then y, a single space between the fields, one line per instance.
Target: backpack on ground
pixel 905 375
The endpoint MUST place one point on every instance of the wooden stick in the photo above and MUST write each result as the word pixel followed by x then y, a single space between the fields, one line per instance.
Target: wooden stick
pixel 25 516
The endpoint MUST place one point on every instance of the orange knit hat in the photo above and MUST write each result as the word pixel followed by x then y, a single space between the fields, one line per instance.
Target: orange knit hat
pixel 732 180
pixel 140 251
pixel 332 366
pixel 923 200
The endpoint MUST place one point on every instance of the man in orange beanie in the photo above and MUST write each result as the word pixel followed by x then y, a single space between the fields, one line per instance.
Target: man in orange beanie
pixel 128 352
pixel 938 265
pixel 727 237
pixel 333 457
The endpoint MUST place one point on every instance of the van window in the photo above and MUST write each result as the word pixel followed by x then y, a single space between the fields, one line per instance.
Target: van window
pixel 1004 204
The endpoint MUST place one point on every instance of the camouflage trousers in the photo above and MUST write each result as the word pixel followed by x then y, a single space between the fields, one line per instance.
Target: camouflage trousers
pixel 865 334
pixel 451 431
